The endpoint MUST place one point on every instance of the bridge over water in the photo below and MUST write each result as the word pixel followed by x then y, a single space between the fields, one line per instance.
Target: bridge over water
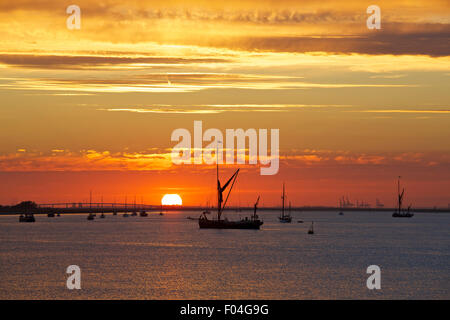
pixel 80 207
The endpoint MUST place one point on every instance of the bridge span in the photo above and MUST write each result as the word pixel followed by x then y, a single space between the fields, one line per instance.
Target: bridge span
pixel 79 207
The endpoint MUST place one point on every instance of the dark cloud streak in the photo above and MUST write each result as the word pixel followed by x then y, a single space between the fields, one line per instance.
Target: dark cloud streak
pixel 81 62
pixel 436 44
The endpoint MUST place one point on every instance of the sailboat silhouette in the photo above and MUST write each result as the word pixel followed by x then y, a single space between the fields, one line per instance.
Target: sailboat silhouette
pixel 247 223
pixel 399 213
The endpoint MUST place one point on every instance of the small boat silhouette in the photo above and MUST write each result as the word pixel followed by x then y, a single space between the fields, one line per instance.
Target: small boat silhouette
pixel 28 217
pixel 143 213
pixel 311 230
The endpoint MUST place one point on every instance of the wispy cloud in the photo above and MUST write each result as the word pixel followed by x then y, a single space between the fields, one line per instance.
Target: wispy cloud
pixel 46 61
pixel 218 108
pixel 430 111
pixel 84 160
pixel 181 83
pixel 160 160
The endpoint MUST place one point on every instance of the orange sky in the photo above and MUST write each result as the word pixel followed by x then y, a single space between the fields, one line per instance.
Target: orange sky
pixel 94 108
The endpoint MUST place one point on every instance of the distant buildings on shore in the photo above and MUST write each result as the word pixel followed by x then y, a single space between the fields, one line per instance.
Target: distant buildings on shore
pixel 344 203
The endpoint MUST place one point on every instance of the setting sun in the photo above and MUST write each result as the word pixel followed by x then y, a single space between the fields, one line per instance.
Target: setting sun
pixel 171 200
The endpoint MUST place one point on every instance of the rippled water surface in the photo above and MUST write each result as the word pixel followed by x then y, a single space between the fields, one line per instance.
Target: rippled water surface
pixel 169 257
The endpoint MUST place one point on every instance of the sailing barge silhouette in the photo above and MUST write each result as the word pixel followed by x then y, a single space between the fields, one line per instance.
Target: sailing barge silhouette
pixel 252 222
pixel 399 213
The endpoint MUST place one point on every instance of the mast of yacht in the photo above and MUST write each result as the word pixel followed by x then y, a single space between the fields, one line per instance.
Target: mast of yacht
pixel 219 210
pixel 221 189
pixel 255 207
pixel 400 195
pixel 282 206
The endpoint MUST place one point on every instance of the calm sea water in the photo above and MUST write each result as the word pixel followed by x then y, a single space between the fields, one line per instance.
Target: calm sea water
pixel 169 257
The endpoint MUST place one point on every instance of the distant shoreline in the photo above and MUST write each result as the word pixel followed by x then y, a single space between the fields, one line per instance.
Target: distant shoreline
pixel 157 209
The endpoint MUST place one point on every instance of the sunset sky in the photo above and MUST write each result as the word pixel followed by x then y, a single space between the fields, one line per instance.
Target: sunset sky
pixel 94 109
